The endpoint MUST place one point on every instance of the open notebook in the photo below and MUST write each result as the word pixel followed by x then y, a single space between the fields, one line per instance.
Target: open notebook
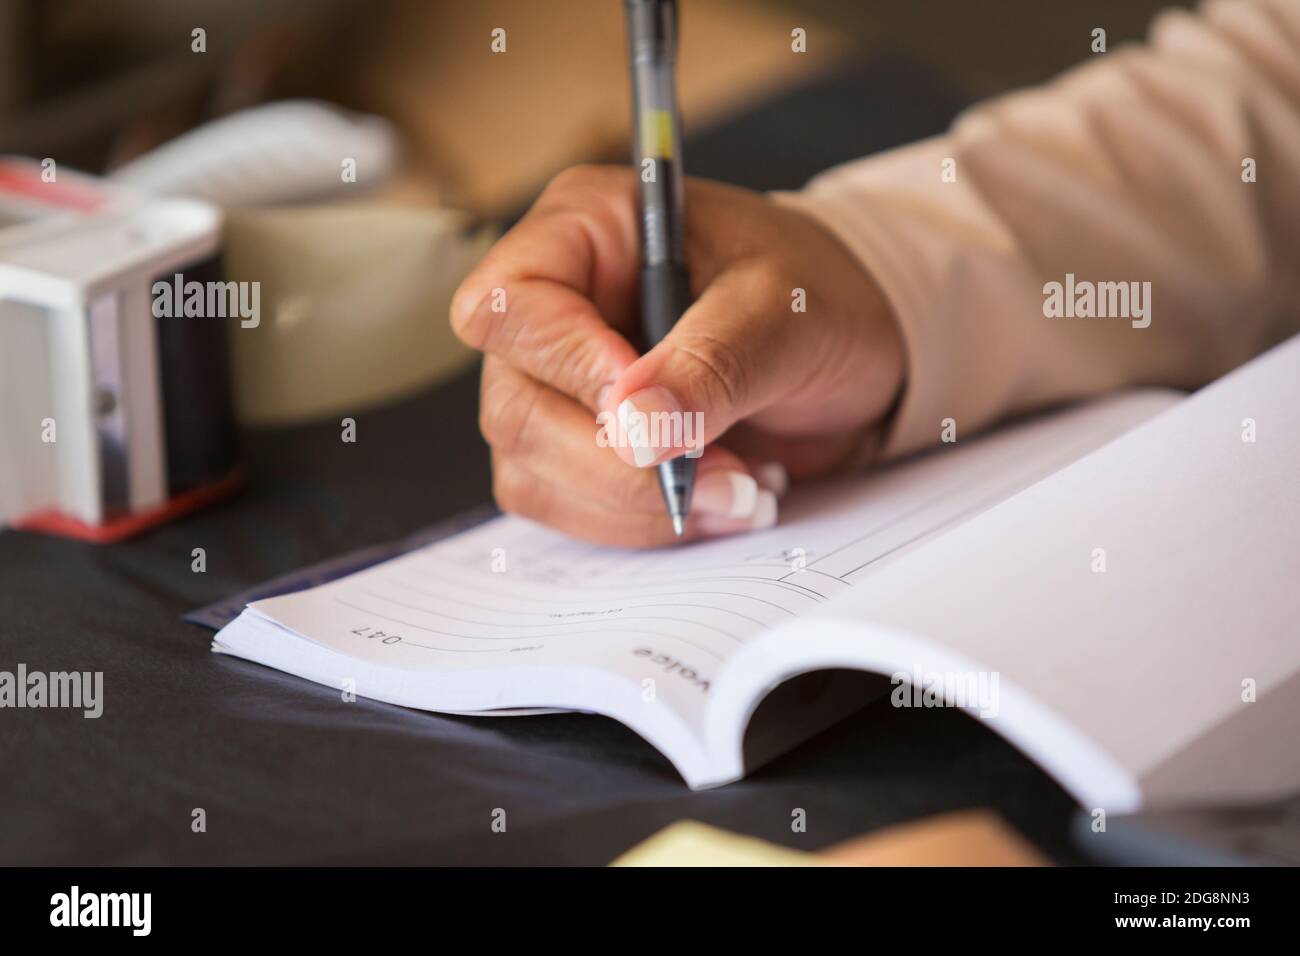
pixel 1097 585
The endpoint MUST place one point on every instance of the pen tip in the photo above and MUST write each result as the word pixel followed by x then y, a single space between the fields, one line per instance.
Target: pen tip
pixel 679 525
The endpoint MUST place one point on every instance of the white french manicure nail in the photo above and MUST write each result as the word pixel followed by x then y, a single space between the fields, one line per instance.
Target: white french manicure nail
pixel 764 511
pixel 744 494
pixel 717 521
pixel 726 494
pixel 633 425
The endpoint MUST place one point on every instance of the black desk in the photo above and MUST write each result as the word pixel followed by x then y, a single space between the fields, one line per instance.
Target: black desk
pixel 287 772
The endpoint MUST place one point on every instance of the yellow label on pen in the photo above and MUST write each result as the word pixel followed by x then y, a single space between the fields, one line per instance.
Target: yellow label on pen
pixel 657 133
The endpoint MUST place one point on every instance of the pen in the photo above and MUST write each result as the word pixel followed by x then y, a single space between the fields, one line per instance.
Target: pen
pixel 657 155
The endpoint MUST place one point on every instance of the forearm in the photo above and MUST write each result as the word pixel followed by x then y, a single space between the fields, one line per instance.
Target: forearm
pixel 1128 169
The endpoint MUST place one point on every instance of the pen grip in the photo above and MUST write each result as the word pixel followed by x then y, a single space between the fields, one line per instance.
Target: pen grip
pixel 665 295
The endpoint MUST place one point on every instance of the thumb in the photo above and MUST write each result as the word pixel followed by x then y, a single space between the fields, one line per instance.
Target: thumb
pixel 737 350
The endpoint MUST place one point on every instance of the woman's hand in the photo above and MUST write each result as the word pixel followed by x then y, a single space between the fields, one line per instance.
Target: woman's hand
pixel 788 360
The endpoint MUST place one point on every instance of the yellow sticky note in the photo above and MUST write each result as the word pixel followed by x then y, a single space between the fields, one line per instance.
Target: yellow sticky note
pixel 964 838
pixel 688 843
pixel 961 838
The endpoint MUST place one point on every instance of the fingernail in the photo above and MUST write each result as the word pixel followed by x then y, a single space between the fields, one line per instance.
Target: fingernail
pixel 773 477
pixel 651 422
pixel 732 494
pixel 762 516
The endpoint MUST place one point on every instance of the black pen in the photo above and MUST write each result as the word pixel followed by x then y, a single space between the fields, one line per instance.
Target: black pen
pixel 657 156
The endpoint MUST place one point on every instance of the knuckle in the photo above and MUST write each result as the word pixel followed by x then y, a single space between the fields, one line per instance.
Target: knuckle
pixel 595 196
pixel 504 412
pixel 516 491
pixel 579 178
pixel 720 372
pixel 572 363
pixel 775 282
pixel 506 486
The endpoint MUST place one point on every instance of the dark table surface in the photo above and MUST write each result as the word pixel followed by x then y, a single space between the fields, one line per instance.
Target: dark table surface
pixel 286 772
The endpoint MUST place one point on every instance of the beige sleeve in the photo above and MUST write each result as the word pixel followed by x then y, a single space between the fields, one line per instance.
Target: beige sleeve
pixel 1130 168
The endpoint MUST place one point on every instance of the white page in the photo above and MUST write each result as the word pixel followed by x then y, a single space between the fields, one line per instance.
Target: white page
pixel 675 616
pixel 1135 673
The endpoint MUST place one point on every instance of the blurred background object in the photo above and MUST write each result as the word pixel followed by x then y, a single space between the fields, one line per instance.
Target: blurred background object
pixel 98 83
pixel 353 299
pixel 286 151
pixel 115 409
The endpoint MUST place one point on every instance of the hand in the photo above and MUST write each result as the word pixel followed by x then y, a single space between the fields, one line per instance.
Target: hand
pixel 777 391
